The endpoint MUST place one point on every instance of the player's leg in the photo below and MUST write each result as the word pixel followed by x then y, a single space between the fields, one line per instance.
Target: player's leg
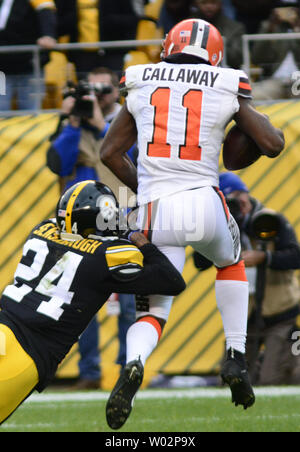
pixel 18 373
pixel 169 223
pixel 157 220
pixel 142 339
pixel 232 295
pixel 231 286
pixel 152 314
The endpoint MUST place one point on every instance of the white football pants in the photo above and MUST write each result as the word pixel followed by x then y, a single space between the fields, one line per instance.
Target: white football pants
pixel 200 218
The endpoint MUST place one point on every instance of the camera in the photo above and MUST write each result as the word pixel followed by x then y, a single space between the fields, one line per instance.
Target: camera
pixel 84 107
pixel 264 224
pixel 235 210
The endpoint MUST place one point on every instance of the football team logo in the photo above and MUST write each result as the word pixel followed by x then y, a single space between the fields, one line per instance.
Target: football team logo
pixel 108 207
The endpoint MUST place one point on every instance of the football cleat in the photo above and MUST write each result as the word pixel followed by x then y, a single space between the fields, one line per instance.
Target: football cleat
pixel 120 402
pixel 235 374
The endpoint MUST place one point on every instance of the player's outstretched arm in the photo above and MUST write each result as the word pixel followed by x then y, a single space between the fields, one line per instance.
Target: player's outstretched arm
pixel 258 126
pixel 121 136
pixel 157 275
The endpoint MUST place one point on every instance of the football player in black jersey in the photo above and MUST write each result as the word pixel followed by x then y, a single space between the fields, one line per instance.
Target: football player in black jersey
pixel 69 268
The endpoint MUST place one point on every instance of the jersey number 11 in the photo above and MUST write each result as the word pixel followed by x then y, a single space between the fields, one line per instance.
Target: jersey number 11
pixel 159 147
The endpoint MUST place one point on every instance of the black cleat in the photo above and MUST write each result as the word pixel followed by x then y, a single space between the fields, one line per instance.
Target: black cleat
pixel 235 374
pixel 119 405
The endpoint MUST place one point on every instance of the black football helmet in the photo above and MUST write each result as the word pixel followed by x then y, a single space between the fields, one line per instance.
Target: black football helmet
pixel 88 207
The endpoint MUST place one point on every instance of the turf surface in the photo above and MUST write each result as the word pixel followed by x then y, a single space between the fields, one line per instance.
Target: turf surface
pixel 189 410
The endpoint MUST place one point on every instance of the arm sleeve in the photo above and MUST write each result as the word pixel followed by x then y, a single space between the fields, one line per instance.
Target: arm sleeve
pixel 244 87
pixel 46 14
pixel 66 147
pixel 287 250
pixel 118 20
pixel 153 275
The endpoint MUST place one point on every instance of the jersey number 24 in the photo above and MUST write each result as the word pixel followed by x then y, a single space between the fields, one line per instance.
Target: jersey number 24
pixel 53 288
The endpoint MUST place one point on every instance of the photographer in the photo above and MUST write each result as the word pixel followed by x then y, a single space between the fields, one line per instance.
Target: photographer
pixel 85 119
pixel 87 111
pixel 280 305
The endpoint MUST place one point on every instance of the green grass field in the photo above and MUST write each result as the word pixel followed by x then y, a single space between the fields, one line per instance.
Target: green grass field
pixel 185 410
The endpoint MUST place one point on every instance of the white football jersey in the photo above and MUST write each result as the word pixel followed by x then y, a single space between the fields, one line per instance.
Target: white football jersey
pixel 181 112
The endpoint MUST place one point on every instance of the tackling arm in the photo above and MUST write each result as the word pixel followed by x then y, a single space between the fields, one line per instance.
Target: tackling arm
pixel 120 137
pixel 156 275
pixel 258 126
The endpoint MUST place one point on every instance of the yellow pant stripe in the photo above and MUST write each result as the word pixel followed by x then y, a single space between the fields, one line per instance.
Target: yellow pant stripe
pixel 18 373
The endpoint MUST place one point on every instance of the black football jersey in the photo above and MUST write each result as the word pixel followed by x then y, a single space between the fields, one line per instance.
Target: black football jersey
pixel 59 285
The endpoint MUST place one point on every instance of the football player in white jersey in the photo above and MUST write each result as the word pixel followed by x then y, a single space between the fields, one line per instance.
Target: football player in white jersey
pixel 178 110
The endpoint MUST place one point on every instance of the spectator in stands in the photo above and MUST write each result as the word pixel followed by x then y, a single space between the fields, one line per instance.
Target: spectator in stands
pixel 114 20
pixel 228 9
pixel 232 31
pixel 118 22
pixel 74 157
pixel 79 24
pixel 252 13
pixel 147 29
pixel 24 22
pixel 67 17
pixel 277 59
pixel 172 12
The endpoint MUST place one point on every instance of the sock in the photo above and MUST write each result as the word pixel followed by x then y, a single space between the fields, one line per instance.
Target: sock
pixel 142 338
pixel 232 295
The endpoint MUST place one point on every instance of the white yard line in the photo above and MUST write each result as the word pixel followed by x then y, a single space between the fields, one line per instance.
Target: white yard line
pixel 160 394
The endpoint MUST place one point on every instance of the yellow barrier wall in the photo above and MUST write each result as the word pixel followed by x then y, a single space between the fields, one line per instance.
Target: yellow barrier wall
pixel 193 340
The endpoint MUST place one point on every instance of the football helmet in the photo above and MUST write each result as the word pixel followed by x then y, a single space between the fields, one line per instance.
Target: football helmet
pixel 86 208
pixel 195 37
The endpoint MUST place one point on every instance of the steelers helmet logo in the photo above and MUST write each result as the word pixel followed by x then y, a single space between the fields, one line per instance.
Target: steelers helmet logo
pixel 108 207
